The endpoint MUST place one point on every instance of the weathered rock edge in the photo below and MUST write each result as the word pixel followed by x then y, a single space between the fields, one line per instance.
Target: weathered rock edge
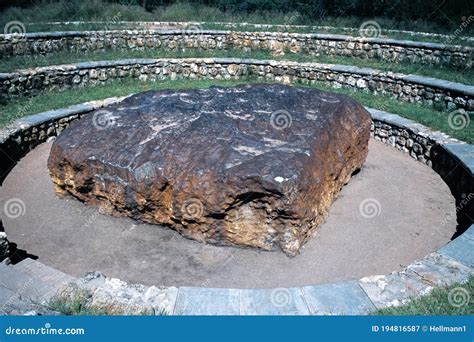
pixel 252 165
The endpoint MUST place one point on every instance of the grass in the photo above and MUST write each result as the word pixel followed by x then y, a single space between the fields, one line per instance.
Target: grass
pixel 438 302
pixel 457 299
pixel 65 57
pixel 96 10
pixel 77 302
pixel 436 119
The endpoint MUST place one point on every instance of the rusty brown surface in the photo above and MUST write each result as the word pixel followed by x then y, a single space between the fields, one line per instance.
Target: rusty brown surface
pixel 253 165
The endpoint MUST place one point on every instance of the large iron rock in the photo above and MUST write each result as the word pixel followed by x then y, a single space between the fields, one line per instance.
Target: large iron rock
pixel 253 165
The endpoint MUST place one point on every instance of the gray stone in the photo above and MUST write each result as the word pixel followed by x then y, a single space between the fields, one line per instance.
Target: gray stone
pixel 119 297
pixel 25 286
pixel 280 70
pixel 393 290
pixel 460 249
pixel 451 106
pixel 46 274
pixel 12 304
pixel 345 298
pixel 438 270
pixel 469 233
pixel 278 301
pixel 7 297
pixel 207 301
pixel 135 299
pixel 463 153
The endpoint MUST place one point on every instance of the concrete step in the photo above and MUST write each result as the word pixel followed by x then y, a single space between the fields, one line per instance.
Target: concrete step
pixel 7 298
pixel 24 286
pixel 12 304
pixel 46 274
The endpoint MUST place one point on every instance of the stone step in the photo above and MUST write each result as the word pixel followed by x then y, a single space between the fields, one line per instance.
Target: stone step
pixel 25 286
pixel 7 298
pixel 12 304
pixel 46 274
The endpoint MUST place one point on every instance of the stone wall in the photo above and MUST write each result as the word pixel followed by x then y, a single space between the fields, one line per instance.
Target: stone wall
pixel 451 159
pixel 453 263
pixel 277 42
pixel 24 134
pixel 155 25
pixel 410 88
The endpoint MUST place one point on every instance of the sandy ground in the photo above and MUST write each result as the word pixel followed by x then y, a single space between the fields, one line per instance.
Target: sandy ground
pixel 410 202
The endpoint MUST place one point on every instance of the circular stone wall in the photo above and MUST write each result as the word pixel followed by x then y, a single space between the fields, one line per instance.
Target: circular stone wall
pixel 452 160
pixel 453 263
pixel 386 217
pixel 277 42
pixel 411 88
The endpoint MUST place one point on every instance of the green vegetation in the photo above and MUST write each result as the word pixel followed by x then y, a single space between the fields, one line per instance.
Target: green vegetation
pixel 439 302
pixel 21 62
pixel 76 302
pixel 430 117
pixel 404 15
pixel 22 106
pixel 408 14
pixel 457 299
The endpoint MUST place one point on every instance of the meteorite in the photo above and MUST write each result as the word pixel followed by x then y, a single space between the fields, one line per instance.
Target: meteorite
pixel 253 165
